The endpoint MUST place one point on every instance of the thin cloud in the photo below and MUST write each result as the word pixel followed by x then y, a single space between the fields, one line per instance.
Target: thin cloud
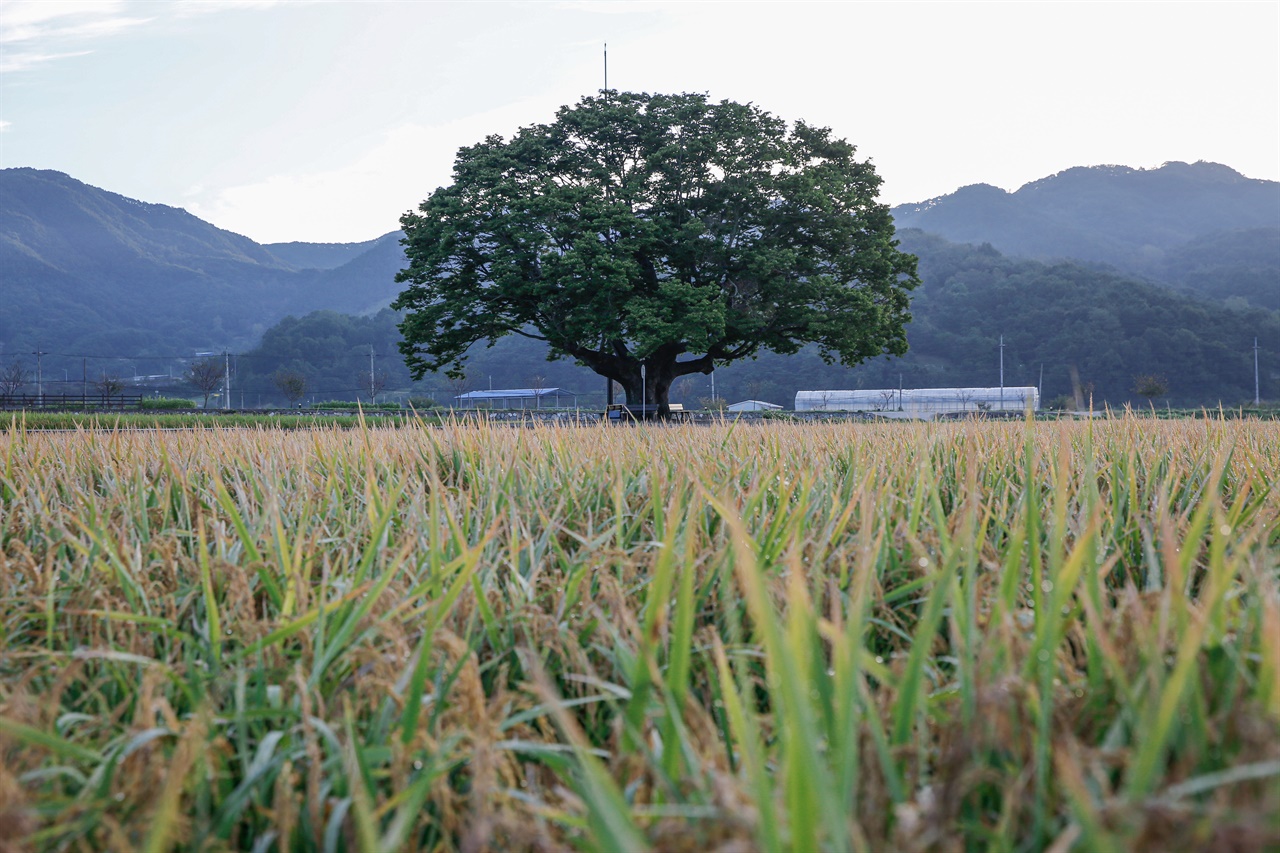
pixel 38 33
pixel 56 21
pixel 611 7
pixel 5 125
pixel 24 15
pixel 192 8
pixel 33 34
pixel 21 61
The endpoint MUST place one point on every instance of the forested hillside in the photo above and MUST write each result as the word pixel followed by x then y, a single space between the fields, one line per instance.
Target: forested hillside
pixel 90 271
pixel 1202 226
pixel 331 351
pixel 367 282
pixel 106 284
pixel 318 256
pixel 1052 316
pixel 93 271
pixel 1235 267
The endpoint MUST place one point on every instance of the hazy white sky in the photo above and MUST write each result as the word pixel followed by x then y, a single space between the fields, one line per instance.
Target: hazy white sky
pixel 324 121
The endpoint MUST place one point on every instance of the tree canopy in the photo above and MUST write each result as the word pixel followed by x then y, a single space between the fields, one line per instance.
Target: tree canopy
pixel 662 232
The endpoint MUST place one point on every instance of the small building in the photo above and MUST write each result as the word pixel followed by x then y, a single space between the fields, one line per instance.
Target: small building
pixel 754 406
pixel 516 398
pixel 921 403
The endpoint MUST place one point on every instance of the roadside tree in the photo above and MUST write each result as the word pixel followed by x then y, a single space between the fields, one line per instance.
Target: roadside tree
pixel 12 378
pixel 206 375
pixel 376 382
pixel 290 383
pixel 1150 385
pixel 109 385
pixel 458 383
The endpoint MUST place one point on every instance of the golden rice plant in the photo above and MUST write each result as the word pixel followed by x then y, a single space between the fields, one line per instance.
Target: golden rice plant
pixel 966 636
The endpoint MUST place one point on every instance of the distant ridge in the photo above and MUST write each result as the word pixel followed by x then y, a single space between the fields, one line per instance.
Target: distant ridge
pixel 318 256
pixel 71 225
pixel 84 271
pixel 95 270
pixel 366 283
pixel 1116 215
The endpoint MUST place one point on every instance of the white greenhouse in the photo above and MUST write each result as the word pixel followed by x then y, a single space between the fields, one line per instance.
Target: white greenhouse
pixel 515 398
pixel 921 403
pixel 754 406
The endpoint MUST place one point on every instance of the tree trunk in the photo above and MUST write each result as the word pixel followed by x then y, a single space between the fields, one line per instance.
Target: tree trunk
pixel 653 388
pixel 661 370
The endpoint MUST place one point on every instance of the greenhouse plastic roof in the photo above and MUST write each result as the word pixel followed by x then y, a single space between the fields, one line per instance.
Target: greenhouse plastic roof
pixel 510 393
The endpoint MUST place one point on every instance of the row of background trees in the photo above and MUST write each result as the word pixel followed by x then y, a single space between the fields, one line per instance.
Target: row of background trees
pixel 204 378
pixel 17 379
pixel 1053 317
pixel 1117 334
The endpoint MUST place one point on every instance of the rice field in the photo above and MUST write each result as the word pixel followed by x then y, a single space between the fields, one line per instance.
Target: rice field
pixel 846 637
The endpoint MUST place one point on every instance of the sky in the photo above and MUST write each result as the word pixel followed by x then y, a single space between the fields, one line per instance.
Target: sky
pixel 325 121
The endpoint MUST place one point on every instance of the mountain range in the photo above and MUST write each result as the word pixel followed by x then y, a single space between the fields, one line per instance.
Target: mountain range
pixel 85 272
pixel 1182 224
pixel 97 271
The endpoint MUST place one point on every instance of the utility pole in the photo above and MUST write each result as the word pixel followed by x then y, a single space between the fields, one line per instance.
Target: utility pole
pixel 713 384
pixel 1002 373
pixel 608 380
pixel 39 354
pixel 1257 387
pixel 372 383
pixel 226 379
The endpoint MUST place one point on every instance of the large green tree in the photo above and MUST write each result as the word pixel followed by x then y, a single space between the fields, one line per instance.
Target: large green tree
pixel 657 231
